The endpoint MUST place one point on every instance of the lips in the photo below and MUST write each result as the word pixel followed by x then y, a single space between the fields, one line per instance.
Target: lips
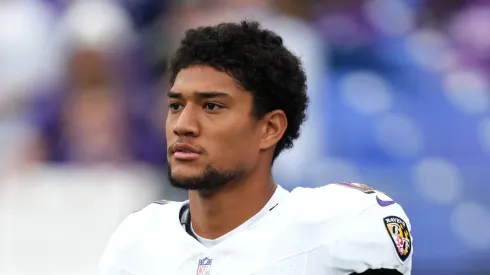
pixel 185 151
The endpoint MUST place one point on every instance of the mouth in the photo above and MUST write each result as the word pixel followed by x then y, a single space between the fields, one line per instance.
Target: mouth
pixel 183 151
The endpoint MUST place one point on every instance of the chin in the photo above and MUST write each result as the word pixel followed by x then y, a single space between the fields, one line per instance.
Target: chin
pixel 186 181
pixel 183 172
pixel 194 177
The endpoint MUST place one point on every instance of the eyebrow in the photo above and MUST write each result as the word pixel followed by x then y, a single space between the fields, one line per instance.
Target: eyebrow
pixel 200 95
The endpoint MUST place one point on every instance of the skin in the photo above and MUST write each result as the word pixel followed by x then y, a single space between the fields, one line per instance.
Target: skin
pixel 208 110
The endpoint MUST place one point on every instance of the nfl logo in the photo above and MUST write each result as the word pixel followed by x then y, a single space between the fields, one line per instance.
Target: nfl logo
pixel 204 267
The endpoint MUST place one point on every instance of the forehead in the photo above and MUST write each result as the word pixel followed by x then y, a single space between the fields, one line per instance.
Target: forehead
pixel 205 78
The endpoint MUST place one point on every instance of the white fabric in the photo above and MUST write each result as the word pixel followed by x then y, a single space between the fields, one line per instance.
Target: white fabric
pixel 278 196
pixel 331 230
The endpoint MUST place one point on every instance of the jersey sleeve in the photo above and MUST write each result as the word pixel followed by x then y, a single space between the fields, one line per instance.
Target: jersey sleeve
pixel 379 237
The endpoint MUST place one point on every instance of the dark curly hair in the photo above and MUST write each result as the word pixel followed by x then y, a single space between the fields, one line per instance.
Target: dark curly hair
pixel 259 62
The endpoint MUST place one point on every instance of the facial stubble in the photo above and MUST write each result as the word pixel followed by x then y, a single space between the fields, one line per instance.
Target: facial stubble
pixel 211 179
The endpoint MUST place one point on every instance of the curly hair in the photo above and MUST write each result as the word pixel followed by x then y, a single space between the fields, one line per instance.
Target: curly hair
pixel 258 61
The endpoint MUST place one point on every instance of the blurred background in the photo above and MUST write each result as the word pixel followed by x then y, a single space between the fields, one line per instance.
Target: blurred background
pixel 400 93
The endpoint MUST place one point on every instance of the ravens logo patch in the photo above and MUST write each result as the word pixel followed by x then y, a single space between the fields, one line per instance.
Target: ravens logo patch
pixel 400 235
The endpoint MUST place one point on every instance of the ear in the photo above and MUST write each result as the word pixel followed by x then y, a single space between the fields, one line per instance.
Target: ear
pixel 273 128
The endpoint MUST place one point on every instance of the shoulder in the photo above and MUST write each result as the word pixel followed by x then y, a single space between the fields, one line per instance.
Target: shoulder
pixel 344 198
pixel 376 233
pixel 353 198
pixel 137 229
pixel 161 211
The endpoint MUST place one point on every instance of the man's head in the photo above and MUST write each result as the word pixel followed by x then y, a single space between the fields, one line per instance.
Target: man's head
pixel 238 99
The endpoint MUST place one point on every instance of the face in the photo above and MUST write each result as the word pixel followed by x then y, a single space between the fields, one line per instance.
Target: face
pixel 212 136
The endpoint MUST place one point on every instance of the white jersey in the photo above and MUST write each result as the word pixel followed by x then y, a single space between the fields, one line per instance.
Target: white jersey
pixel 337 229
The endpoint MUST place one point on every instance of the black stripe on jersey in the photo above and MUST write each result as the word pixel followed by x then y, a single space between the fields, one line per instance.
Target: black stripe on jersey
pixel 274 206
pixel 381 271
pixel 185 220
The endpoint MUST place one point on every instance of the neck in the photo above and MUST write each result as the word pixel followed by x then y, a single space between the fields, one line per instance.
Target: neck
pixel 214 215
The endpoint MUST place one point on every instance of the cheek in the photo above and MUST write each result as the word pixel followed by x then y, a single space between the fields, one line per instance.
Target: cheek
pixel 237 143
pixel 169 126
pixel 168 131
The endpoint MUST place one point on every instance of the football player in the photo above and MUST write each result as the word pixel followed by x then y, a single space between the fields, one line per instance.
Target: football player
pixel 238 99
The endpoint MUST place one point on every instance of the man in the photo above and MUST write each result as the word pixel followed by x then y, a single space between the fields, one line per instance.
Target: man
pixel 238 99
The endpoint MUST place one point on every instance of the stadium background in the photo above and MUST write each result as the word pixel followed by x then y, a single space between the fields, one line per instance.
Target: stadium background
pixel 400 93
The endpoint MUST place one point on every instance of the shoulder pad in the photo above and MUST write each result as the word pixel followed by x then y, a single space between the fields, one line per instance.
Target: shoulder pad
pixel 162 202
pixel 357 186
pixel 156 203
pixel 381 197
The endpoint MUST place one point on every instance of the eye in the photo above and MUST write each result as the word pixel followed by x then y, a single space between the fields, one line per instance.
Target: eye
pixel 174 106
pixel 212 106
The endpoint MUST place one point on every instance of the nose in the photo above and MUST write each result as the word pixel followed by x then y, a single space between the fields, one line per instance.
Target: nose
pixel 187 123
